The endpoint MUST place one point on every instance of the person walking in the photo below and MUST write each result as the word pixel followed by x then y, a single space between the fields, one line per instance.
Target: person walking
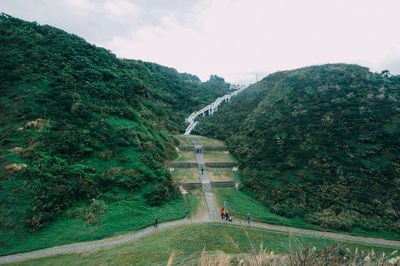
pixel 155 223
pixel 202 170
pixel 248 218
pixel 222 213
pixel 226 215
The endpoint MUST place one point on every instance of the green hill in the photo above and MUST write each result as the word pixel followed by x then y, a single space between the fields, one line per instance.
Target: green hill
pixel 321 143
pixel 77 123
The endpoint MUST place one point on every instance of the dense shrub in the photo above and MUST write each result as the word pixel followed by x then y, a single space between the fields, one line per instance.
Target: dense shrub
pixel 319 138
pixel 105 123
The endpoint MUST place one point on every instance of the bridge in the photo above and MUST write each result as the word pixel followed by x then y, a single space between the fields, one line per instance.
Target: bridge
pixel 212 107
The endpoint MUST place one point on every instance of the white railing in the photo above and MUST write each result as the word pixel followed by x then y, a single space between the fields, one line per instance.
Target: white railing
pixel 211 108
pixel 190 128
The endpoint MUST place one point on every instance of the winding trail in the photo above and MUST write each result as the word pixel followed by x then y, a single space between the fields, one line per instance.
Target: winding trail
pixel 211 218
pixel 109 242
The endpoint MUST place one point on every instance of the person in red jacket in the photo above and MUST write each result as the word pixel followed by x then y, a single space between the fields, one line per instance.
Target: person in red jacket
pixel 222 213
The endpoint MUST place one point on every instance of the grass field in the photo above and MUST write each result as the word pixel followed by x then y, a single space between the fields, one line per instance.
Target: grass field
pixel 186 157
pixel 204 141
pixel 198 204
pixel 185 175
pixel 241 203
pixel 184 140
pixel 124 214
pixel 220 174
pixel 188 243
pixel 217 157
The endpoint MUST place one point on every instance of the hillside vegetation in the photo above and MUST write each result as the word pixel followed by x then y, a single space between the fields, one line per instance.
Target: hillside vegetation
pixel 77 123
pixel 321 143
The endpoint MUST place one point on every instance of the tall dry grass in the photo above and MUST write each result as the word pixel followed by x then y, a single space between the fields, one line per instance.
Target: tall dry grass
pixel 299 254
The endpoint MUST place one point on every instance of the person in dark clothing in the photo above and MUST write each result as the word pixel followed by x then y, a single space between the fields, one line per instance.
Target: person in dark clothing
pixel 202 170
pixel 248 218
pixel 226 215
pixel 156 222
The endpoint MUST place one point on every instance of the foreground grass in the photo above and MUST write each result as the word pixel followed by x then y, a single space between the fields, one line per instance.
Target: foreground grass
pixel 188 243
pixel 124 214
pixel 240 204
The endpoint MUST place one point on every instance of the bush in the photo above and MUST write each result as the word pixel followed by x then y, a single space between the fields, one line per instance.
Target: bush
pixel 283 210
pixel 312 219
pixel 157 195
pixel 97 207
pixel 336 223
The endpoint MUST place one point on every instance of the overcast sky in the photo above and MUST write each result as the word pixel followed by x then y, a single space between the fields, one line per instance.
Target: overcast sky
pixel 236 39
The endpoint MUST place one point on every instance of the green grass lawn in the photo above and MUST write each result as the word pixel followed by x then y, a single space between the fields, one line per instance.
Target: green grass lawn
pixel 194 198
pixel 185 175
pixel 241 203
pixel 186 157
pixel 124 214
pixel 220 174
pixel 204 141
pixel 184 140
pixel 188 242
pixel 217 157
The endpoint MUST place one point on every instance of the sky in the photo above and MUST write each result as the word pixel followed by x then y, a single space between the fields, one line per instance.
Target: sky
pixel 240 40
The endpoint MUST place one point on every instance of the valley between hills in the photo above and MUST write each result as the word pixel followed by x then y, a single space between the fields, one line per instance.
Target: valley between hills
pixel 93 151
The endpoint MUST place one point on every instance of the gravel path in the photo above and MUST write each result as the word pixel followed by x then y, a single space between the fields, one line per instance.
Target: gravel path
pixel 91 246
pixel 213 217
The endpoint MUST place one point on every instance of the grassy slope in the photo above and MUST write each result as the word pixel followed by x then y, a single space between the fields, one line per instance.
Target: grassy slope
pixel 318 142
pixel 186 157
pixel 107 127
pixel 183 175
pixel 217 157
pixel 123 216
pixel 241 203
pixel 188 243
pixel 126 213
pixel 219 174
